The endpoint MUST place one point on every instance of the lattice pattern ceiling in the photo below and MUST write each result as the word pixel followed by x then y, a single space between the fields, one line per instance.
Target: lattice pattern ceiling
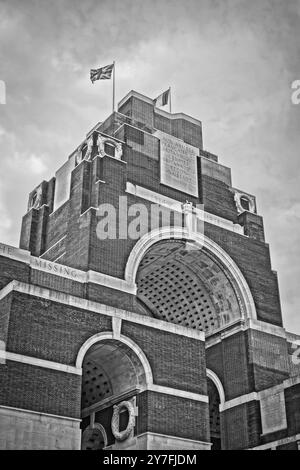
pixel 186 287
pixel 176 296
pixel 96 385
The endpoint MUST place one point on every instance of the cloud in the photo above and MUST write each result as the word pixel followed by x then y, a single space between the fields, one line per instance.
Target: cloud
pixel 229 63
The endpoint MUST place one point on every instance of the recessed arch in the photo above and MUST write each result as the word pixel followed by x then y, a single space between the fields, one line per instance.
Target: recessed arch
pixel 216 400
pixel 215 379
pixel 114 370
pixel 197 241
pixel 98 337
pixel 90 442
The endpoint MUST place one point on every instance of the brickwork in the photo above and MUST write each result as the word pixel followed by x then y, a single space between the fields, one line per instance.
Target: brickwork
pixel 38 389
pixel 168 355
pixel 292 398
pixel 269 357
pixel 174 416
pixel 241 426
pixel 50 330
pixel 12 270
pixel 246 362
pixel 5 308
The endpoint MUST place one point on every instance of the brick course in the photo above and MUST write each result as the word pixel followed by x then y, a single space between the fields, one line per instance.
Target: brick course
pixel 37 389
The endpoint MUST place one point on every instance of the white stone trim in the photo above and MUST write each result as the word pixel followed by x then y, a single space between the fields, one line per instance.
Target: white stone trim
pixel 116 327
pixel 178 393
pixel 247 305
pixel 89 209
pixel 154 197
pixel 149 441
pixel 215 379
pixel 291 381
pixel 293 337
pixel 261 394
pixel 111 282
pixel 14 253
pixel 56 269
pixel 175 205
pixel 244 325
pixel 52 246
pixel 123 339
pixel 39 414
pixel 8 289
pixel 239 401
pixel 279 442
pixel 34 361
pixel 219 334
pixel 265 327
pixel 60 256
pixel 103 309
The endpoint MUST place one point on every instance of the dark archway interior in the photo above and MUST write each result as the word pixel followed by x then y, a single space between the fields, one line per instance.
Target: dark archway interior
pixel 111 373
pixel 185 285
pixel 214 415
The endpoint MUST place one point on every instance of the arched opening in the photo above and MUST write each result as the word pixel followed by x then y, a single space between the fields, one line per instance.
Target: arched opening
pixel 190 287
pixel 216 399
pixel 198 257
pixel 214 415
pixel 113 374
pixel 94 437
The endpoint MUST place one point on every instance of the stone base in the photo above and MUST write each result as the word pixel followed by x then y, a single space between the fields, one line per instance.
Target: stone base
pixel 153 441
pixel 22 429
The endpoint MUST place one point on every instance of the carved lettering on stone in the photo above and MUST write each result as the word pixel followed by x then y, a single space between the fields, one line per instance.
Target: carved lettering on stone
pixel 178 164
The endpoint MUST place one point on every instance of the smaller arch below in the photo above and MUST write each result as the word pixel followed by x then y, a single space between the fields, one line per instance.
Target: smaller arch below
pixel 123 340
pixel 217 382
pixel 216 400
pixel 94 437
pixel 114 371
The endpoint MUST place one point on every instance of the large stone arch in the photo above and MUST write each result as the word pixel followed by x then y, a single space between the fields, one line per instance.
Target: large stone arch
pixel 218 293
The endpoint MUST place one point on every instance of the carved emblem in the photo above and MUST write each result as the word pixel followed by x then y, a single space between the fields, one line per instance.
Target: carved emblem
pixel 36 199
pixel 241 199
pixel 115 422
pixel 88 154
pixel 100 145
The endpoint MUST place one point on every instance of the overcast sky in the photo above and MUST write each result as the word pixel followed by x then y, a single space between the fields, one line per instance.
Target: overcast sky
pixel 230 63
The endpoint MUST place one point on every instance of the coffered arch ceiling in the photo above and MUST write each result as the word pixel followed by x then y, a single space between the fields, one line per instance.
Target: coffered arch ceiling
pixel 189 287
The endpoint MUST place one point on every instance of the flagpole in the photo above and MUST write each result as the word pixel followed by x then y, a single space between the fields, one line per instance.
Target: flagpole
pixel 170 100
pixel 114 87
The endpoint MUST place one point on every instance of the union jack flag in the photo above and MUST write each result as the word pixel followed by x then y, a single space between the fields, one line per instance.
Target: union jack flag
pixel 103 73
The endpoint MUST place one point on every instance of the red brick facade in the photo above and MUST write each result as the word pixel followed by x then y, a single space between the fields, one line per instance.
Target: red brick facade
pixel 73 322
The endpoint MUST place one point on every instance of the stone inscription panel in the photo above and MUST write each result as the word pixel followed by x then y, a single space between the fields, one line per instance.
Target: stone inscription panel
pixel 178 164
